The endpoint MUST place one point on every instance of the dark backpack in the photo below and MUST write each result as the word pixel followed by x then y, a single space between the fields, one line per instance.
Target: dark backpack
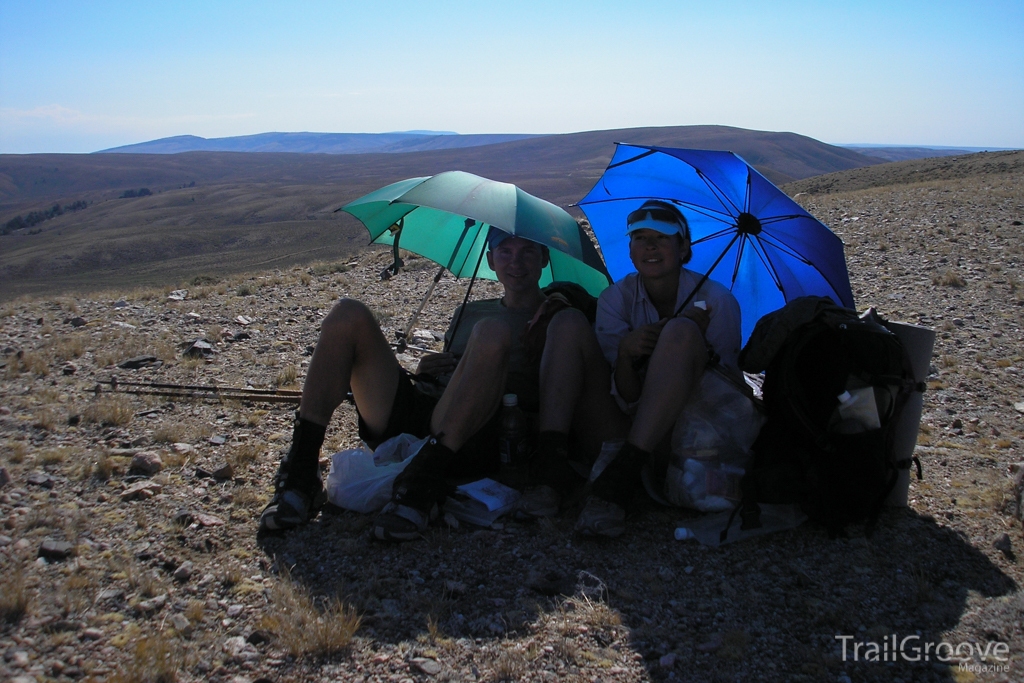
pixel 812 351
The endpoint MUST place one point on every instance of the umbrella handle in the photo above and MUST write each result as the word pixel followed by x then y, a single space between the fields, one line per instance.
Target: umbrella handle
pixel 397 263
pixel 403 337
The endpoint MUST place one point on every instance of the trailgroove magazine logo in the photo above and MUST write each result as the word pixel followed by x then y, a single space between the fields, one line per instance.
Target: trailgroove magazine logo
pixel 994 655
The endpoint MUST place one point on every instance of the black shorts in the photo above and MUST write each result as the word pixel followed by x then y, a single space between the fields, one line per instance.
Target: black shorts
pixel 410 414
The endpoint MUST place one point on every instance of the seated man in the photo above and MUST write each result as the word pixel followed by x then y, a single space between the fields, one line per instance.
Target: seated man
pixel 654 355
pixel 486 358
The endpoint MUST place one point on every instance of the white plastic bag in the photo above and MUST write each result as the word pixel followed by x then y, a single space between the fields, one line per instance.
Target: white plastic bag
pixel 711 446
pixel 361 479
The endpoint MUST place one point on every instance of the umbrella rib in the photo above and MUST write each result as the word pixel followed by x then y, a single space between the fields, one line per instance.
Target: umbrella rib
pixel 776 219
pixel 715 235
pixel 638 157
pixel 768 265
pixel 786 249
pixel 715 190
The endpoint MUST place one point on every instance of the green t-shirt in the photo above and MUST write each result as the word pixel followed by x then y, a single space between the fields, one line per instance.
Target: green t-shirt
pixel 523 376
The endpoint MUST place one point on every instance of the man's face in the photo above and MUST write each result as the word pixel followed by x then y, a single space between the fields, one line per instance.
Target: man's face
pixel 518 263
pixel 656 254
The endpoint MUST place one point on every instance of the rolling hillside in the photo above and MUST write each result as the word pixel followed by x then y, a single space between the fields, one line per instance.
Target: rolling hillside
pixel 218 212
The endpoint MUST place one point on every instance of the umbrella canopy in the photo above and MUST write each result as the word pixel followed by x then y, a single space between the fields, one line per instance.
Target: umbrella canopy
pixel 446 218
pixel 746 233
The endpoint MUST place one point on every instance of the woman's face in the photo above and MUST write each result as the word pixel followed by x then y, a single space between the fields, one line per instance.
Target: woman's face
pixel 655 254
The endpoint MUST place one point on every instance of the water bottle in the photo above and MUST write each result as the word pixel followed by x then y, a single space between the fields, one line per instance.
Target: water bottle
pixel 858 411
pixel 513 442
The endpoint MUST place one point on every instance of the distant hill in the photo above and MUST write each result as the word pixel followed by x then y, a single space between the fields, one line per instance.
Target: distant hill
pixel 913 171
pixel 898 153
pixel 316 143
pixel 212 213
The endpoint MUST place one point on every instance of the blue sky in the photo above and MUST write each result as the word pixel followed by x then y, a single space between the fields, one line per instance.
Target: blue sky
pixel 82 76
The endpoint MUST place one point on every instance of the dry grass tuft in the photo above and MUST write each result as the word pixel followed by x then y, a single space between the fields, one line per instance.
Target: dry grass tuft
pixel 156 659
pixel 16 452
pixel 195 611
pixel 110 411
pixel 305 626
pixel 55 456
pixel 104 468
pixel 949 278
pixel 14 596
pixel 27 361
pixel 244 455
pixel 170 432
pixel 286 376
pixel 48 418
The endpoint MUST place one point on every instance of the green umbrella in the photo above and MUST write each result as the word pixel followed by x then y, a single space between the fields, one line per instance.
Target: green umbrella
pixel 446 218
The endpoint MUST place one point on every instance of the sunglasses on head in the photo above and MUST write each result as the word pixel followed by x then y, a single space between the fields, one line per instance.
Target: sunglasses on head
pixel 655 214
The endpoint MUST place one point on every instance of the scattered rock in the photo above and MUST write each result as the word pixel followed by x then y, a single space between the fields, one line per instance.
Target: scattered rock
pixel 238 650
pixel 40 479
pixel 223 471
pixel 183 517
pixel 667 661
pixel 146 462
pixel 427 666
pixel 56 550
pixel 91 634
pixel 5 476
pixel 78 321
pixel 715 643
pixel 5 541
pixel 234 610
pixel 137 362
pixel 1019 407
pixel 184 571
pixel 218 440
pixel 182 448
pixel 112 594
pixel 69 369
pixel 208 520
pixel 200 348
pixel 181 625
pixel 1004 546
pixel 141 490
pixel 178 295
pixel 258 638
pixel 120 303
pixel 152 605
pixel 242 320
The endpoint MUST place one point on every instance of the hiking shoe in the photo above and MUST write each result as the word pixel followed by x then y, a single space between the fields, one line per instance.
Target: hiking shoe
pixel 417 495
pixel 620 481
pixel 397 523
pixel 538 501
pixel 600 517
pixel 290 508
pixel 298 489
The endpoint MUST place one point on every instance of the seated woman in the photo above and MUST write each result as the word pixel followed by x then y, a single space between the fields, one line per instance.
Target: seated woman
pixel 638 368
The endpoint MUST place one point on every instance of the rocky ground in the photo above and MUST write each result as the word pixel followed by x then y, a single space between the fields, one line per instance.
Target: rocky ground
pixel 128 540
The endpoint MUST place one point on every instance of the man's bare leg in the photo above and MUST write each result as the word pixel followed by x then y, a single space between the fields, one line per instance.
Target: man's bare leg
pixel 351 355
pixel 470 399
pixel 576 385
pixel 474 392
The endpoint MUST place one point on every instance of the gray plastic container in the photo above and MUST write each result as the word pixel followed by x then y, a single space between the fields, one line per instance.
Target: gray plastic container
pixel 918 341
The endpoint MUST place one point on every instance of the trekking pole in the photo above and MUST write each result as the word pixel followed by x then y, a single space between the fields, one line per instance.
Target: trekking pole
pixel 198 391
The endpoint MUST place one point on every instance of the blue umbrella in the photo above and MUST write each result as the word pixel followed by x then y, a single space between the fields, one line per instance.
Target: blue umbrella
pixel 746 233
